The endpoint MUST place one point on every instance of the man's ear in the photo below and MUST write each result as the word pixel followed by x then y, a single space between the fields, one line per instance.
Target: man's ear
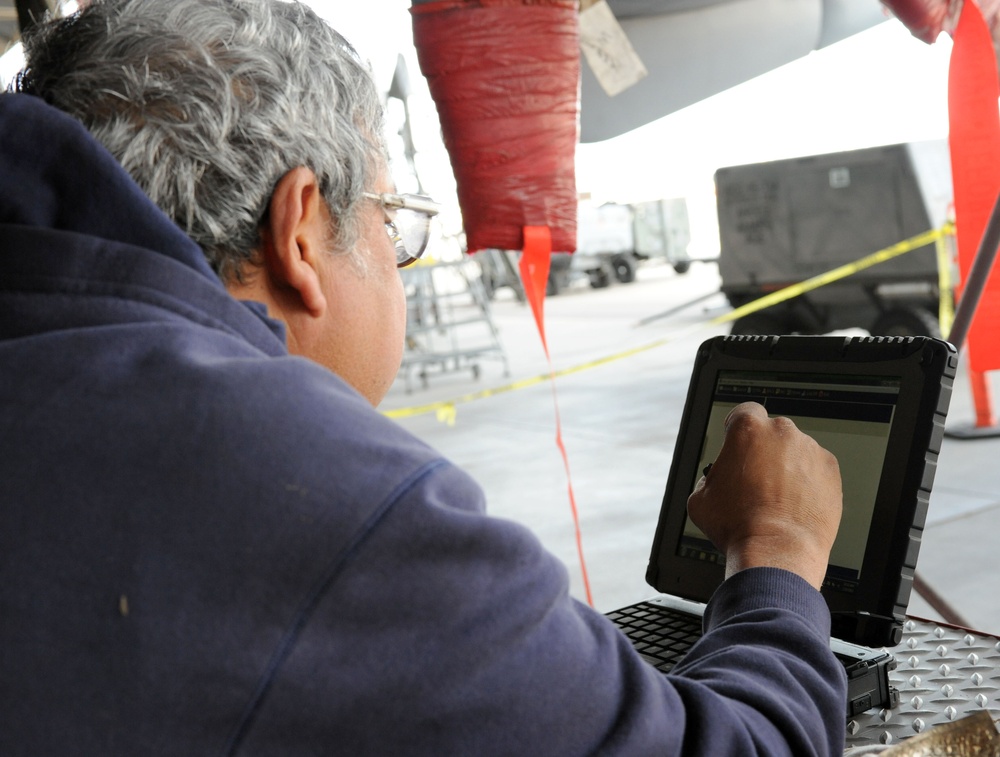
pixel 294 237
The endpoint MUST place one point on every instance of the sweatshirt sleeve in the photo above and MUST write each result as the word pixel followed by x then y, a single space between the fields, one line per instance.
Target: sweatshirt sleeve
pixel 766 656
pixel 444 631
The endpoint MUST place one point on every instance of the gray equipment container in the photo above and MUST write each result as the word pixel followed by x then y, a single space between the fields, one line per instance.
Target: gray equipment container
pixel 784 221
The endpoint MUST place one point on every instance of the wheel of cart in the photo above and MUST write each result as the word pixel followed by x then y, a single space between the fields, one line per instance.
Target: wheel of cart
pixel 624 267
pixel 906 321
pixel 599 278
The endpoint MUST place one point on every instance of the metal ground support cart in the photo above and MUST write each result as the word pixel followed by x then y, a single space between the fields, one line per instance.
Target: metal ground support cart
pixel 663 230
pixel 449 326
pixel 784 221
pixel 613 239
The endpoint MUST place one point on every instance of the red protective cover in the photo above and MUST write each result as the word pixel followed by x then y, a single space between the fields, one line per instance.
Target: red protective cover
pixel 924 18
pixel 504 75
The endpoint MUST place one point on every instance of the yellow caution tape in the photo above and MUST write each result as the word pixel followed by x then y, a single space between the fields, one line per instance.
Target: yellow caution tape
pixel 842 272
pixel 446 410
pixel 447 414
pixel 946 307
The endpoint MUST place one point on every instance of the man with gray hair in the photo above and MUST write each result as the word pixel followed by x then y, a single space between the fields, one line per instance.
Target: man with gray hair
pixel 211 542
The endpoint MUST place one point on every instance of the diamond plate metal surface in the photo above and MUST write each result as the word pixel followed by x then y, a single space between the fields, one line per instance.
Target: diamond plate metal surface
pixel 943 673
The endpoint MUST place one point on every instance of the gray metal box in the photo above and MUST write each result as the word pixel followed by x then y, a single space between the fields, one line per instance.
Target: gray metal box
pixel 784 221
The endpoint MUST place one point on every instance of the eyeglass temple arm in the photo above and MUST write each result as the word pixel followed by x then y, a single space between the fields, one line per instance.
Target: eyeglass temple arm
pixel 412 202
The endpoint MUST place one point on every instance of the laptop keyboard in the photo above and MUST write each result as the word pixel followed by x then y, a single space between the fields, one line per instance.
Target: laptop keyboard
pixel 661 635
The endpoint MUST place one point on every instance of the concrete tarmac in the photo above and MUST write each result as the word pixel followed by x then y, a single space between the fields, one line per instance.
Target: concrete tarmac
pixel 619 424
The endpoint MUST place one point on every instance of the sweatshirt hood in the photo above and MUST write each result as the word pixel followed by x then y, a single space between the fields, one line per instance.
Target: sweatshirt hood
pixel 57 176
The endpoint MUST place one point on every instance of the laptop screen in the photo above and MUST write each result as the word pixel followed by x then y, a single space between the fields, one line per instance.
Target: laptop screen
pixel 851 416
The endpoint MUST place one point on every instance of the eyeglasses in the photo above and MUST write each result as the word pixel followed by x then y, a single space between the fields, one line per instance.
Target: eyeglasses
pixel 408 224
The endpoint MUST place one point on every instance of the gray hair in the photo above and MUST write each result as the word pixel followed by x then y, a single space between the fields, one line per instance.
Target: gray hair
pixel 208 103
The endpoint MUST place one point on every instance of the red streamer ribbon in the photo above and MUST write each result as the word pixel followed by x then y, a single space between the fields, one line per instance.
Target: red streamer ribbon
pixel 534 268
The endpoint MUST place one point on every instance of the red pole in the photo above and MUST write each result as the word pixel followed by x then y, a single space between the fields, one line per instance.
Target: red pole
pixel 982 399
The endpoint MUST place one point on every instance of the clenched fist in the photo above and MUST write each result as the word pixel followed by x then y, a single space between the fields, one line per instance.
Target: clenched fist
pixel 772 497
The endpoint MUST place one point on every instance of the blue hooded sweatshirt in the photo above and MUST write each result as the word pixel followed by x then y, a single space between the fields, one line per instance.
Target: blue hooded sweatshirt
pixel 211 547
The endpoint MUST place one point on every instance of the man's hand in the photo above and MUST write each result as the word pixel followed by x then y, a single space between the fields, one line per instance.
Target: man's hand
pixel 772 497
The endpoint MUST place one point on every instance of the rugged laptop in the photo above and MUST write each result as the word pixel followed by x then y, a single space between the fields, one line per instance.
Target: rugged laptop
pixel 879 405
